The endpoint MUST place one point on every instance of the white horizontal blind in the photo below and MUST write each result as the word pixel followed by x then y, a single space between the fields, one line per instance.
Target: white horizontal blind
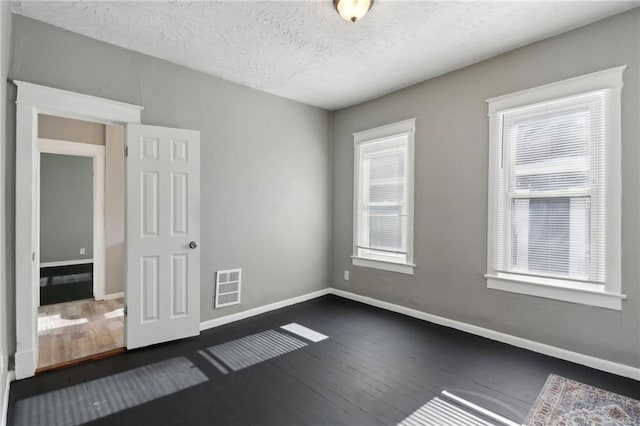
pixel 382 199
pixel 551 202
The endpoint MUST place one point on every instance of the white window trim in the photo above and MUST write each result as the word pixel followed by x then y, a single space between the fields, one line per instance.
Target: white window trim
pixel 566 290
pixel 405 127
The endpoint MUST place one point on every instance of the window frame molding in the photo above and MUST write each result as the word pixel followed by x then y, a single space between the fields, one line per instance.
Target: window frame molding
pixel 553 288
pixel 405 127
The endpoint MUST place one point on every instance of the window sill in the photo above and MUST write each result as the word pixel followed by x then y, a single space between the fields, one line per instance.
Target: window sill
pixel 403 268
pixel 568 291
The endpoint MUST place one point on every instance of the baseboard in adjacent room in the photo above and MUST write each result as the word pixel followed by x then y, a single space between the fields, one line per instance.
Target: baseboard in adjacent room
pixel 205 325
pixel 113 296
pixel 564 354
pixel 66 263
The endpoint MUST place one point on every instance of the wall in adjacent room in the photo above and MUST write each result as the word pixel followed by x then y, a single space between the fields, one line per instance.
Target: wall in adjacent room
pixel 265 160
pixel 67 129
pixel 66 207
pixel 451 173
pixel 114 220
pixel 112 137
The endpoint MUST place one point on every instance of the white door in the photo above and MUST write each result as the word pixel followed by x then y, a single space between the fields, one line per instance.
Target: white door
pixel 163 231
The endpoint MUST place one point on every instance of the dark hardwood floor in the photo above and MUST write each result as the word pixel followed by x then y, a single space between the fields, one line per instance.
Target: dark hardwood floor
pixel 59 284
pixel 376 368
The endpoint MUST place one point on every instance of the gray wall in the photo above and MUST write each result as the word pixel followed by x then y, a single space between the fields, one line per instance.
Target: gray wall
pixel 66 207
pixel 267 166
pixel 451 194
pixel 265 160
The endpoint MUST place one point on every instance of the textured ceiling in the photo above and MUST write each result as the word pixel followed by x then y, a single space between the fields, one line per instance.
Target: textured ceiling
pixel 304 51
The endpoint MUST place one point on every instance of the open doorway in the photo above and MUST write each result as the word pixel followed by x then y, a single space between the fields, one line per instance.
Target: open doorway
pixel 162 280
pixel 81 222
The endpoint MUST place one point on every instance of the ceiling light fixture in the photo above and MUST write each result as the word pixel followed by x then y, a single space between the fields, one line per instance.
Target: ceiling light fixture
pixel 352 10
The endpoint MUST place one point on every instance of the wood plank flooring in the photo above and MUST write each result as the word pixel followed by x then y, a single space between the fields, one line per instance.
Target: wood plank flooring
pixel 79 329
pixel 375 368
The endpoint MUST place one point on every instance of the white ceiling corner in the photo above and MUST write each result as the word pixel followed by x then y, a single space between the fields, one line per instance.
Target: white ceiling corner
pixel 304 51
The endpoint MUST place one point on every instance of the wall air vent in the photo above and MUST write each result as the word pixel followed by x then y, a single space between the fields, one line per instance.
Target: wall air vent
pixel 227 287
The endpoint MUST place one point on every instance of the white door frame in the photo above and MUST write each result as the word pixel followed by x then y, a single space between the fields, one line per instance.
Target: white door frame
pixel 97 154
pixel 32 100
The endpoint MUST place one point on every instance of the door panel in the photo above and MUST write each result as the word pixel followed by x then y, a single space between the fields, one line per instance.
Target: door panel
pixel 163 218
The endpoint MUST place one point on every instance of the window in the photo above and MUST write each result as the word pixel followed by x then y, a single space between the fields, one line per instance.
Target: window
pixel 554 191
pixel 383 207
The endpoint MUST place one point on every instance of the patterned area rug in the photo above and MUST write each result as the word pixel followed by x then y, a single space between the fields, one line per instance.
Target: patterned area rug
pixel 564 402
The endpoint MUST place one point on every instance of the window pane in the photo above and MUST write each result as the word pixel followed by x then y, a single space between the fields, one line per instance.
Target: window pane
pixel 552 181
pixel 388 165
pixel 382 204
pixel 386 192
pixel 551 235
pixel 551 138
pixel 387 228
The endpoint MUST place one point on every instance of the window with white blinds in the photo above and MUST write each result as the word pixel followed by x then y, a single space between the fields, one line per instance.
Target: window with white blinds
pixel 384 197
pixel 552 189
pixel 554 196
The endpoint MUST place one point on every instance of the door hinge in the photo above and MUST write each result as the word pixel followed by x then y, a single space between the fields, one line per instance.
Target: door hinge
pixel 126 151
pixel 124 310
pixel 33 256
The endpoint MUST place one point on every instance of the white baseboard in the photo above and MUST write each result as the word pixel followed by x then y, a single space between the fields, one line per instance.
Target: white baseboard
pixel 66 263
pixel 564 354
pixel 25 359
pixel 205 325
pixel 5 397
pixel 578 358
pixel 25 364
pixel 113 296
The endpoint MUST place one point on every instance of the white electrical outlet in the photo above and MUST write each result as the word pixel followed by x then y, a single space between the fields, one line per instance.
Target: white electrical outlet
pixel 346 275
pixel 82 250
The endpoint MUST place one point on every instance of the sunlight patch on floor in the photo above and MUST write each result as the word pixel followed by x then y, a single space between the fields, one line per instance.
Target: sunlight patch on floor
pixel 86 402
pixel 304 332
pixel 256 348
pixel 451 410
pixel 115 313
pixel 52 322
pixel 250 350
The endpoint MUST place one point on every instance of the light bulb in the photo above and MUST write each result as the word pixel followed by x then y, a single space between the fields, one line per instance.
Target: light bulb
pixel 352 10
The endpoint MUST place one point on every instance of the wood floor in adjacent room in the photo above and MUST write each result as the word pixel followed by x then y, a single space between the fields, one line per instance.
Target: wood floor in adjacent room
pixel 375 368
pixel 73 330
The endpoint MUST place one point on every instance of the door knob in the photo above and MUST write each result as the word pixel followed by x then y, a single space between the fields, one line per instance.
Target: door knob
pixel 193 244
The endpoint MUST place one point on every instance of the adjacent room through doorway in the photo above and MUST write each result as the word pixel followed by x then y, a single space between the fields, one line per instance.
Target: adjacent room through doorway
pixel 81 224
